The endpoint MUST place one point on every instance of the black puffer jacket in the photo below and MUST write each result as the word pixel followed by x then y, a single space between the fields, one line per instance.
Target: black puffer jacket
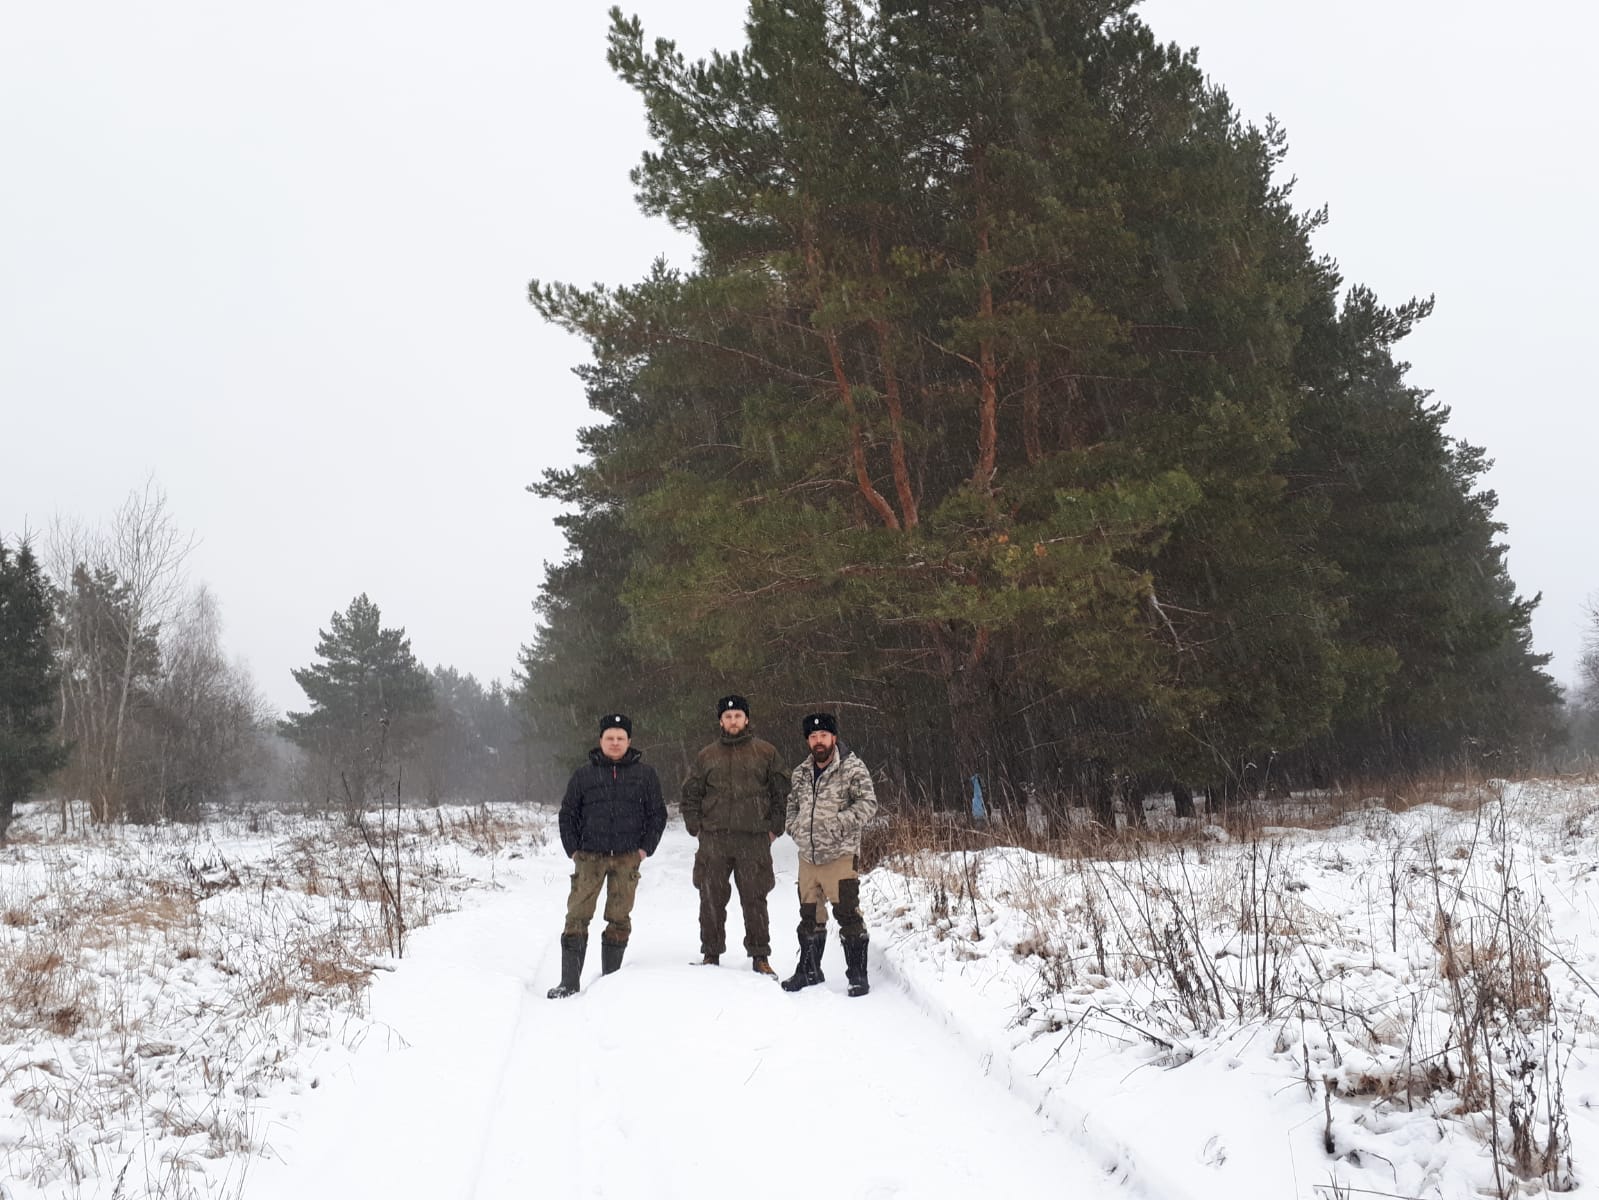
pixel 613 807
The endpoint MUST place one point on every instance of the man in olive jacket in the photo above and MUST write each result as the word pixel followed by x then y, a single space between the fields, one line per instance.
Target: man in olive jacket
pixel 733 803
pixel 830 800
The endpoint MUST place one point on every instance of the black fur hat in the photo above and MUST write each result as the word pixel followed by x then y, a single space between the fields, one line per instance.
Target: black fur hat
pixel 727 703
pixel 823 721
pixel 617 721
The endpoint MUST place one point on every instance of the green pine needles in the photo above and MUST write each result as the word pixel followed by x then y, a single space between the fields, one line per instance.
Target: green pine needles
pixel 1009 410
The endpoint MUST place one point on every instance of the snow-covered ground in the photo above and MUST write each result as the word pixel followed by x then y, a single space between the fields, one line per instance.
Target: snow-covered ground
pixel 1371 1008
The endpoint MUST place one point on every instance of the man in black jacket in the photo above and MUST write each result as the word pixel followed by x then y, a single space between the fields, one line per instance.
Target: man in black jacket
pixel 612 818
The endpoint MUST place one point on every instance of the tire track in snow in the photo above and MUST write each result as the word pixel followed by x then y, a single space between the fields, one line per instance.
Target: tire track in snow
pixel 529 990
pixel 683 1083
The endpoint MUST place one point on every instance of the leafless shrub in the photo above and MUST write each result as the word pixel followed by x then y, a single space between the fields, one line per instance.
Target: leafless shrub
pixel 1491 938
pixel 323 964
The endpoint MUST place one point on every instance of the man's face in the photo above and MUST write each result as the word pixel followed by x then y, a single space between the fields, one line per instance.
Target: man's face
pixel 614 742
pixel 734 720
pixel 821 744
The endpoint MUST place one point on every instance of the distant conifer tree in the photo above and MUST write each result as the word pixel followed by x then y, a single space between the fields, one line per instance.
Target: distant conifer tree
pixel 29 749
pixel 370 702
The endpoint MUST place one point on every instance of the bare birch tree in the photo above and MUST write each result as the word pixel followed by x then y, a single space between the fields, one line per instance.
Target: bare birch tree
pixel 206 715
pixel 114 590
pixel 147 551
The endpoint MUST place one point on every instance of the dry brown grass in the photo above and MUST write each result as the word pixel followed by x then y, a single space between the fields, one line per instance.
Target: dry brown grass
pixel 905 826
pixel 485 829
pixel 38 988
pixel 1414 1083
pixel 322 966
pixel 115 919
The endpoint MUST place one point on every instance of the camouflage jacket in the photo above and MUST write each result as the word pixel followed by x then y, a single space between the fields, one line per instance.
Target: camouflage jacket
pixel 827 812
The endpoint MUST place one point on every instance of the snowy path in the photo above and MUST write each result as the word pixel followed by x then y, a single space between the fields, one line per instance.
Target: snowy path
pixel 664 1080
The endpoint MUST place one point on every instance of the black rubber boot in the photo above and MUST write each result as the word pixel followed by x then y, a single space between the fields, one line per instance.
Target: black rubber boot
pixel 855 965
pixel 574 948
pixel 807 925
pixel 611 956
pixel 809 971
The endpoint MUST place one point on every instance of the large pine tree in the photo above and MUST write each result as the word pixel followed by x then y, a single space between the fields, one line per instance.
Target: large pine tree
pixel 977 417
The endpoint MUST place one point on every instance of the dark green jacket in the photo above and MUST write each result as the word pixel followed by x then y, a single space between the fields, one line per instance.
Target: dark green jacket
pixel 736 786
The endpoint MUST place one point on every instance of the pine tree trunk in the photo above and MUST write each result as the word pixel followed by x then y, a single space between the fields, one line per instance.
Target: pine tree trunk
pixel 1133 796
pixel 987 364
pixel 891 397
pixel 1032 441
pixel 1183 797
pixel 1102 798
pixel 846 394
pixel 969 727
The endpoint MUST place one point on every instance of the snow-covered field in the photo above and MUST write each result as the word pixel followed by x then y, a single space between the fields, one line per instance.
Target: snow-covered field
pixel 1398 1004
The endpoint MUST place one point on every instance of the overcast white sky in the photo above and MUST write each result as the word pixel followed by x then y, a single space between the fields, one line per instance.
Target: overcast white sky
pixel 276 256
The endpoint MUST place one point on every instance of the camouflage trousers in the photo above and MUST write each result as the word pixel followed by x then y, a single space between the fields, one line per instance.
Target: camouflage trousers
pixel 722 860
pixel 619 875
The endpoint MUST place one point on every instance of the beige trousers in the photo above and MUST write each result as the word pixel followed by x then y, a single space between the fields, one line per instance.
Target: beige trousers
pixel 823 885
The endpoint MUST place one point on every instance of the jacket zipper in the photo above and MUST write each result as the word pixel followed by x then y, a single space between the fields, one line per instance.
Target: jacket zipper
pixel 816 784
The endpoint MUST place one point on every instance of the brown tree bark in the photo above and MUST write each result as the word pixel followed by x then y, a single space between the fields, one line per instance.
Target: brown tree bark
pixel 891 396
pixel 1032 442
pixel 835 354
pixel 987 362
pixel 961 666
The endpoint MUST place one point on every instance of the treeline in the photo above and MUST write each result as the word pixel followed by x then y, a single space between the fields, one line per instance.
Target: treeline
pixel 1009 412
pixel 118 698
pixel 114 686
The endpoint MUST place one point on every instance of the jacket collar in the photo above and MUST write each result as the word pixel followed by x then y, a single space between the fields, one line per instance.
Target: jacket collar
pixel 631 756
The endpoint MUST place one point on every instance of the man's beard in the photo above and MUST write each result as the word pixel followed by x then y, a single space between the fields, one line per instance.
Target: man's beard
pixel 821 754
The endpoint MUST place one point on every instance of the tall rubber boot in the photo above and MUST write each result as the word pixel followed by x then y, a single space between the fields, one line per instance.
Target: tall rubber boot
pixel 574 948
pixel 809 971
pixel 611 956
pixel 855 965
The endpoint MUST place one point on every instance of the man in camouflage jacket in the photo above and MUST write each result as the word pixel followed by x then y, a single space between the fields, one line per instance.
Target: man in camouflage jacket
pixel 732 801
pixel 830 800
